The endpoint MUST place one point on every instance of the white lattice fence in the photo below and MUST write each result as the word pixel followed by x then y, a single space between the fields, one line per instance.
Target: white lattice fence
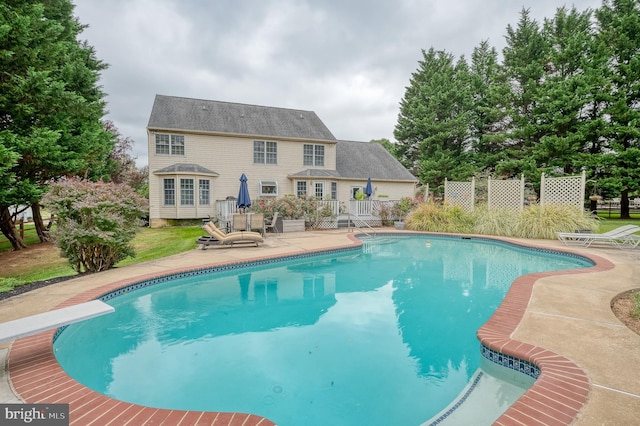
pixel 505 194
pixel 567 190
pixel 460 194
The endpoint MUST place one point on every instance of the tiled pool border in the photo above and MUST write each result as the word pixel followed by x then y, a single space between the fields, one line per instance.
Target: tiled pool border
pixel 555 398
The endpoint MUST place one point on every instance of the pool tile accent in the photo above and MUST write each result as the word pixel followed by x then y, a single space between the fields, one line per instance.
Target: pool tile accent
pixel 555 398
pixel 510 362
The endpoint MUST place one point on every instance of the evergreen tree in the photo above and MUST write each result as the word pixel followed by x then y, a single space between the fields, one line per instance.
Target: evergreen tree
pixel 489 123
pixel 564 100
pixel 50 103
pixel 434 121
pixel 525 57
pixel 619 31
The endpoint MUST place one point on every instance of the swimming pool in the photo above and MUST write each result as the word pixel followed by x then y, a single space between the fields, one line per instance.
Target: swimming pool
pixel 360 334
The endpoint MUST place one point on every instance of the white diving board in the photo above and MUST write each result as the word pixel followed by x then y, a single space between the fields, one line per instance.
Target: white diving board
pixel 38 323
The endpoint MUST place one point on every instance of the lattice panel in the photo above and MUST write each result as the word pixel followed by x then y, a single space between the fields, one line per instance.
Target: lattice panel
pixel 459 194
pixel 506 194
pixel 562 190
pixel 326 223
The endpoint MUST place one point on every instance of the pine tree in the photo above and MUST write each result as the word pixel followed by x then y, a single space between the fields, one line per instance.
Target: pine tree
pixel 619 25
pixel 434 121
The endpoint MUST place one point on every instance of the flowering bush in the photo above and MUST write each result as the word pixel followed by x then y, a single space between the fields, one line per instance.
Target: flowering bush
pixel 403 206
pixel 307 208
pixel 95 222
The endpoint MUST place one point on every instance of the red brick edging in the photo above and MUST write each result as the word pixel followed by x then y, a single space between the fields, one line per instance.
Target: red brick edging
pixel 555 398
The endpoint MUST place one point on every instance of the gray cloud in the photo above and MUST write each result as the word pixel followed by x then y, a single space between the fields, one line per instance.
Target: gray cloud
pixel 348 61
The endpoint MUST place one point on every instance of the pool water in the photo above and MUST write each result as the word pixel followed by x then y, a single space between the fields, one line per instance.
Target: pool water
pixel 381 335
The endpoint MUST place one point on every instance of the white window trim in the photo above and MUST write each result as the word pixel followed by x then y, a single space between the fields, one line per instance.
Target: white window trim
pixel 270 183
pixel 172 145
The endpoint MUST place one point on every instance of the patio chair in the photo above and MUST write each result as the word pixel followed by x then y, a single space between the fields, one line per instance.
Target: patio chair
pixel 256 221
pixel 272 224
pixel 239 222
pixel 232 238
pixel 621 237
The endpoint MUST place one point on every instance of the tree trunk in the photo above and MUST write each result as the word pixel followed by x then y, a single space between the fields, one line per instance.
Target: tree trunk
pixel 43 232
pixel 624 205
pixel 8 228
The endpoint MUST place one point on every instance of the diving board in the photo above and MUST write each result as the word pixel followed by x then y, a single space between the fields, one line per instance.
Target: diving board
pixel 38 323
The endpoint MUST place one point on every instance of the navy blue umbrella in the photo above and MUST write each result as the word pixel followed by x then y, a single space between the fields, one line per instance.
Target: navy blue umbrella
pixel 368 190
pixel 244 200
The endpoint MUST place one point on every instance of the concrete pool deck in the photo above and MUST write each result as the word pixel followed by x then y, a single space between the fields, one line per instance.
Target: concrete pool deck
pixel 563 317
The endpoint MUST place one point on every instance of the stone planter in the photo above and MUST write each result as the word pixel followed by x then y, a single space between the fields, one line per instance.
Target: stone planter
pixel 399 225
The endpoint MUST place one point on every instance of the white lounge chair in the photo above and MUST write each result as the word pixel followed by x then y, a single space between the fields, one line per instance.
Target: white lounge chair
pixel 621 237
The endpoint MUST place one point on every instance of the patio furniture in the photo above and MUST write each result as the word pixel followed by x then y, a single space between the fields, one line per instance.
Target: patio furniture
pixel 232 238
pixel 621 237
pixel 256 221
pixel 239 222
pixel 272 224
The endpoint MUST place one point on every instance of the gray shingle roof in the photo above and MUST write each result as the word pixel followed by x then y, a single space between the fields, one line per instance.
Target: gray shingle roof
pixel 369 159
pixel 317 173
pixel 177 113
pixel 186 168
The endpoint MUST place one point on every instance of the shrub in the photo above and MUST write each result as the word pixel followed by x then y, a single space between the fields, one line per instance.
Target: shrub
pixel 500 222
pixel 311 209
pixel 537 221
pixel 533 221
pixel 432 217
pixel 95 222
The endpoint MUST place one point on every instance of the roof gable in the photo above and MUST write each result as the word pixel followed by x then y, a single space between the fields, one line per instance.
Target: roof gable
pixel 187 114
pixel 369 159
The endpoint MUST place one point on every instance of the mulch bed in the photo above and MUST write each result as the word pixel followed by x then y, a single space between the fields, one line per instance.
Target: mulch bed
pixel 33 286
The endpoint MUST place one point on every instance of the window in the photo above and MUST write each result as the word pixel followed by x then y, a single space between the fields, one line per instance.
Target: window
pixel 334 190
pixel 162 144
pixel 313 155
pixel 169 186
pixel 319 189
pixel 169 144
pixel 204 192
pixel 265 152
pixel 301 188
pixel 177 145
pixel 186 192
pixel 268 187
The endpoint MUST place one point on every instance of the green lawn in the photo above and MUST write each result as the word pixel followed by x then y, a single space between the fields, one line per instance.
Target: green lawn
pixel 149 244
pixel 609 224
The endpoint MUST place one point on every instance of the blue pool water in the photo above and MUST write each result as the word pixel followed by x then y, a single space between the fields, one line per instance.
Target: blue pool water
pixel 380 335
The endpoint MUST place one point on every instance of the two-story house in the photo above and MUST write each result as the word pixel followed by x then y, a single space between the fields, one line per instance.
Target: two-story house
pixel 198 150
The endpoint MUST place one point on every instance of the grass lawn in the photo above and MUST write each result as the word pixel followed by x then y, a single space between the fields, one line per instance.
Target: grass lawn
pixel 609 224
pixel 43 261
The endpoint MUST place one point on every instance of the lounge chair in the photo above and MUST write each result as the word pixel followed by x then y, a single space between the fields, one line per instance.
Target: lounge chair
pixel 232 238
pixel 621 237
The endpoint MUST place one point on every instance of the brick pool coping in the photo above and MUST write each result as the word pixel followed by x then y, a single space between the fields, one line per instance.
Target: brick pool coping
pixel 555 398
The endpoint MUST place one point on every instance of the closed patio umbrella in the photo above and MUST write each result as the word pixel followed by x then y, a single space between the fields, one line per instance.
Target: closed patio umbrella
pixel 244 200
pixel 368 190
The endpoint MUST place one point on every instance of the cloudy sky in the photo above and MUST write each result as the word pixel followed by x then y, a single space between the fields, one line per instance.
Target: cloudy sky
pixel 349 61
